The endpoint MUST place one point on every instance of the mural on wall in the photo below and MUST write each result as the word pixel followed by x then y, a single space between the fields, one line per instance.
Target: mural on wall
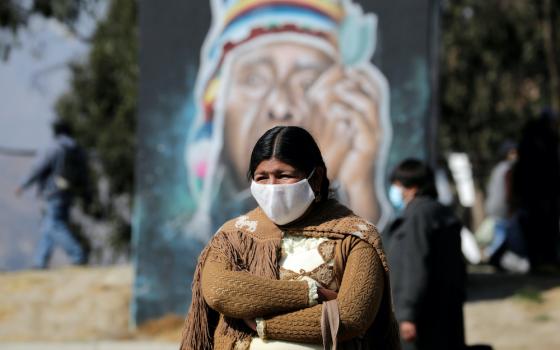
pixel 290 62
pixel 215 75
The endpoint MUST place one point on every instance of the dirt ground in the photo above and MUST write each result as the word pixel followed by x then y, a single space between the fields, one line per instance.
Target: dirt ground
pixel 83 304
pixel 513 312
pixel 516 324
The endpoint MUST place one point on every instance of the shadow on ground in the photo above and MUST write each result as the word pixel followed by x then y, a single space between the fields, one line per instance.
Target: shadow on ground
pixel 484 283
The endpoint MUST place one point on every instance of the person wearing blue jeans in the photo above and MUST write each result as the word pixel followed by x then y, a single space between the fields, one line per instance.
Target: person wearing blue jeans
pixel 58 197
pixel 55 231
pixel 508 243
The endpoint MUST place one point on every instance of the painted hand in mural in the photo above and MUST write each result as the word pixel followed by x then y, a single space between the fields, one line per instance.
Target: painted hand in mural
pixel 345 121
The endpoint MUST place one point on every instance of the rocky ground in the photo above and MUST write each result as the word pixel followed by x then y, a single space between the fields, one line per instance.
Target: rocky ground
pixel 92 305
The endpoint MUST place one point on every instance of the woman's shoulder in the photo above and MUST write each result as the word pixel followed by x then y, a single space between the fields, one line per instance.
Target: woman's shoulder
pixel 337 221
pixel 254 223
pixel 339 218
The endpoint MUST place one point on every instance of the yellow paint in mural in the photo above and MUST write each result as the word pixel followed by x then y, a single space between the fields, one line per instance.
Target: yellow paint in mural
pixel 331 8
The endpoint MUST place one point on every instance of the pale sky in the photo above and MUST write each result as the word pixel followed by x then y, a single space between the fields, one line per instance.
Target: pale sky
pixel 34 77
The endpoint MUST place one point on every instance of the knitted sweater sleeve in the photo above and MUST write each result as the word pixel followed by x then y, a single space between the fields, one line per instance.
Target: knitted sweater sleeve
pixel 239 294
pixel 359 299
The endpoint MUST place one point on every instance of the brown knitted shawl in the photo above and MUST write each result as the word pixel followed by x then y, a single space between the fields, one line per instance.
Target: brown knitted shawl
pixel 252 243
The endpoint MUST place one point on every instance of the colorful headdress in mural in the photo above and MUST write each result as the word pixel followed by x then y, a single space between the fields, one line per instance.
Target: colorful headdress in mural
pixel 339 27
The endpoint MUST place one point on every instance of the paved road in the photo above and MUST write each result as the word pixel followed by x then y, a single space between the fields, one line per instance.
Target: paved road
pixel 124 345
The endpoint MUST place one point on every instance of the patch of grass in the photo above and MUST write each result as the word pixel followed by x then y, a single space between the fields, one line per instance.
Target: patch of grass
pixel 543 318
pixel 530 294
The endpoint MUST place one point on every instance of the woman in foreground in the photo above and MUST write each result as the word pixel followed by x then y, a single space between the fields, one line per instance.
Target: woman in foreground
pixel 300 271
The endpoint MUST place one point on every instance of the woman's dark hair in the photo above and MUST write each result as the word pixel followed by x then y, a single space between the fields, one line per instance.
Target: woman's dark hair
pixel 294 146
pixel 414 173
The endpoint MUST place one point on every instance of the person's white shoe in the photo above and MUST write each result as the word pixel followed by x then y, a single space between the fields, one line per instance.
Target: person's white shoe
pixel 512 262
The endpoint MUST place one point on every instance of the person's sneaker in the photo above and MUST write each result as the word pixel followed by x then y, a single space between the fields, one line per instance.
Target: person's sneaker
pixel 514 263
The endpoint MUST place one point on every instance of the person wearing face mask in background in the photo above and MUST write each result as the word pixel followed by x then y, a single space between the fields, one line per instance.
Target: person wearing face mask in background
pixel 428 272
pixel 301 271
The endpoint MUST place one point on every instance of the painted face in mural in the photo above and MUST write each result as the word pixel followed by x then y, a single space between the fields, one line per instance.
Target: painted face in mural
pixel 305 70
pixel 268 87
pixel 287 83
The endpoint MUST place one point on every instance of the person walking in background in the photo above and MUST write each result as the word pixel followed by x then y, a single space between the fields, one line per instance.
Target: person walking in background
pixel 507 248
pixel 498 186
pixel 59 173
pixel 427 268
pixel 536 189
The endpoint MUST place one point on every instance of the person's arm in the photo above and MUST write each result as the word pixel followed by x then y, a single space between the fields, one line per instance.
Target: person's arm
pixel 41 166
pixel 414 277
pixel 241 295
pixel 358 299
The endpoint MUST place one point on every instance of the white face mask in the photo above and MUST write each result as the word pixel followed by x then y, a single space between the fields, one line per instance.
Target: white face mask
pixel 283 203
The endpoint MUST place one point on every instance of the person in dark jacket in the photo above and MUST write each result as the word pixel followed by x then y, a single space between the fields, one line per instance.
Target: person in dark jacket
pixel 427 268
pixel 536 191
pixel 50 174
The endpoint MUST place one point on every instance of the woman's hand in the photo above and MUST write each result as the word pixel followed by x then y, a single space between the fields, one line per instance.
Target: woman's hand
pixel 408 331
pixel 326 294
pixel 251 323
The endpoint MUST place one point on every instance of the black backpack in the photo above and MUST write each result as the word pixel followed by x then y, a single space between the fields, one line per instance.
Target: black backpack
pixel 71 169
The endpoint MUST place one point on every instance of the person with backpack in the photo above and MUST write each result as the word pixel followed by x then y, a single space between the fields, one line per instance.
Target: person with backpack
pixel 60 173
